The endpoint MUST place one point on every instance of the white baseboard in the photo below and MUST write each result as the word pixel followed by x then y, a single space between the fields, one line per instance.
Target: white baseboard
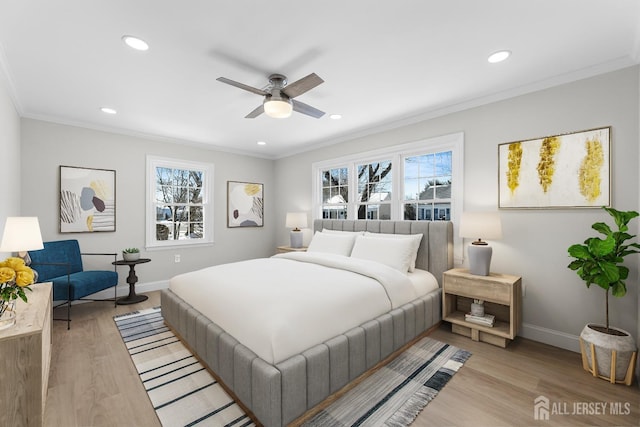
pixel 551 337
pixel 123 290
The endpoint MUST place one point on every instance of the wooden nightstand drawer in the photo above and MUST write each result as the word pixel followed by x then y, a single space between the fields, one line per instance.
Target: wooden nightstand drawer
pixel 479 289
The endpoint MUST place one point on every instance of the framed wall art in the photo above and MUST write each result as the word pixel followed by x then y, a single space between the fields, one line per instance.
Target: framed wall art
pixel 87 200
pixel 245 204
pixel 562 171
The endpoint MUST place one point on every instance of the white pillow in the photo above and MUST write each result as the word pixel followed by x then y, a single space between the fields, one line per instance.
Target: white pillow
pixel 416 238
pixel 395 253
pixel 355 233
pixel 339 244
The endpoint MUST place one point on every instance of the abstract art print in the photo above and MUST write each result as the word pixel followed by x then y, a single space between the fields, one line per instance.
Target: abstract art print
pixel 245 206
pixel 562 171
pixel 87 200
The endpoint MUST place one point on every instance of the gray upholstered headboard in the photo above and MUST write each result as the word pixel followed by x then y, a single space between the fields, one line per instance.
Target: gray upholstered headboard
pixel 436 248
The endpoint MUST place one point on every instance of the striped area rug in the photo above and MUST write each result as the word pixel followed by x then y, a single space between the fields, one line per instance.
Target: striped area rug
pixel 184 393
pixel 395 394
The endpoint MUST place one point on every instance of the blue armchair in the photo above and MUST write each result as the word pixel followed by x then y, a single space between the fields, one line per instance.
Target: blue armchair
pixel 60 262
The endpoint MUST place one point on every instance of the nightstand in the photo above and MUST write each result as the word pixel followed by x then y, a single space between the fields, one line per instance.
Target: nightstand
pixel 502 296
pixel 283 249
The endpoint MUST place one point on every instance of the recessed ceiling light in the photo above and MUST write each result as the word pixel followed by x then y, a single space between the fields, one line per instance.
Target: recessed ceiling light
pixel 262 143
pixel 335 116
pixel 499 56
pixel 108 110
pixel 135 43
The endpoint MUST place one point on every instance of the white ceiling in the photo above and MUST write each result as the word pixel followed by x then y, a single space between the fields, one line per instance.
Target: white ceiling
pixel 384 63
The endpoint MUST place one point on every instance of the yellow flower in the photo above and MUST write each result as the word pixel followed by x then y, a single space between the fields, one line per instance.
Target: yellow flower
pixel 15 277
pixel 7 274
pixel 24 277
pixel 13 262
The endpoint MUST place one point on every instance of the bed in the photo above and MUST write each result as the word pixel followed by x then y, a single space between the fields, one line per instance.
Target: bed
pixel 279 383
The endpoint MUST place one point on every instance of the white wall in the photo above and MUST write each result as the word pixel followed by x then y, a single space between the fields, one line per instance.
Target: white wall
pixel 46 146
pixel 557 304
pixel 10 155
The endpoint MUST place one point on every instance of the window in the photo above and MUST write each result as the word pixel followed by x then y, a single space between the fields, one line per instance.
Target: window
pixel 374 190
pixel 335 193
pixel 427 186
pixel 179 211
pixel 416 181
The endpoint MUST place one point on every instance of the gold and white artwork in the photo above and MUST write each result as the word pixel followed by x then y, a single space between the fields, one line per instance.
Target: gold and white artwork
pixel 561 171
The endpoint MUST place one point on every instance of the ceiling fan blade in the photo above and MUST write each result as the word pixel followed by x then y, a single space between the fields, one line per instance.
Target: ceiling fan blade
pixel 255 113
pixel 303 85
pixel 303 108
pixel 242 86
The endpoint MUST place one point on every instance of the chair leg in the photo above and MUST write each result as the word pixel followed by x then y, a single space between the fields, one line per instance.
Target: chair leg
pixel 68 296
pixel 115 288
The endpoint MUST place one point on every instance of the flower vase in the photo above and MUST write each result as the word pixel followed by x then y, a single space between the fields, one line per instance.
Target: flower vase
pixel 7 314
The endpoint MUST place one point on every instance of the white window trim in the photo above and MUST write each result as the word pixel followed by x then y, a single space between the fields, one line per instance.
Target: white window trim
pixel 207 201
pixel 453 142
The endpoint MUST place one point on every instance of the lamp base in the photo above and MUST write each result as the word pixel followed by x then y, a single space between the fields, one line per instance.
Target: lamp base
pixel 479 259
pixel 296 239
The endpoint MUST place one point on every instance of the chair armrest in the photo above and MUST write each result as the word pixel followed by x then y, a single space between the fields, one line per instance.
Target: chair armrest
pixel 114 255
pixel 97 253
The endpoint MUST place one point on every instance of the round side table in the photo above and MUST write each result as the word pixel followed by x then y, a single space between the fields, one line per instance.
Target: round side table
pixel 132 298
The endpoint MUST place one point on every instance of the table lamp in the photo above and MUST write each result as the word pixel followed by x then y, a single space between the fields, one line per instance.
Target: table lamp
pixel 21 234
pixel 296 221
pixel 480 225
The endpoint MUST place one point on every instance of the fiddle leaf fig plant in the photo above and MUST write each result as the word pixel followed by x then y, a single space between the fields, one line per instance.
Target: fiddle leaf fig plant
pixel 601 261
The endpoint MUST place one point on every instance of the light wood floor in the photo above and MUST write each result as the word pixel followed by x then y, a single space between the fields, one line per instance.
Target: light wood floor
pixel 93 381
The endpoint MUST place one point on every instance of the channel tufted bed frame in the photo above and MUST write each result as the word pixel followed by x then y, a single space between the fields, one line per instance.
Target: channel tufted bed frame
pixel 279 394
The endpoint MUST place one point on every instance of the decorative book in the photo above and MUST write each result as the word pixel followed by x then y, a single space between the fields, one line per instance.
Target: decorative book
pixel 486 320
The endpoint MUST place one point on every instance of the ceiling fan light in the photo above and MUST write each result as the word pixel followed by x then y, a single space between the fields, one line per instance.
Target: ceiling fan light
pixel 278 108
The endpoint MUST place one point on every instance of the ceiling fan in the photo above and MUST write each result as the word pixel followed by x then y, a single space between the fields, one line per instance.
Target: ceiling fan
pixel 278 97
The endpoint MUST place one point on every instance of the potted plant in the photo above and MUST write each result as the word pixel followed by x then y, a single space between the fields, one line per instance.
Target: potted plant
pixel 131 254
pixel 609 353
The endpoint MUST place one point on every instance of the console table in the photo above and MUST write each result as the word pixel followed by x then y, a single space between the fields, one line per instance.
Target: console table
pixel 132 298
pixel 25 351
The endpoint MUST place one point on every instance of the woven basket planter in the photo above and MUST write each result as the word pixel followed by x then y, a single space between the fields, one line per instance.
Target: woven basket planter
pixel 610 357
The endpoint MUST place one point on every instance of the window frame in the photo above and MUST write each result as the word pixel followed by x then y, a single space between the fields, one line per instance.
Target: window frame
pixel 396 154
pixel 349 189
pixel 435 201
pixel 153 162
pixel 357 203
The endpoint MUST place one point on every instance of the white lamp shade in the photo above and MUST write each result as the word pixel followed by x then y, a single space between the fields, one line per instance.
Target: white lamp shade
pixel 21 234
pixel 481 225
pixel 278 108
pixel 296 220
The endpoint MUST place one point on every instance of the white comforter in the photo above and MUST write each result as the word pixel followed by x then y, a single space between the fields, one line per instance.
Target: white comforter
pixel 281 306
